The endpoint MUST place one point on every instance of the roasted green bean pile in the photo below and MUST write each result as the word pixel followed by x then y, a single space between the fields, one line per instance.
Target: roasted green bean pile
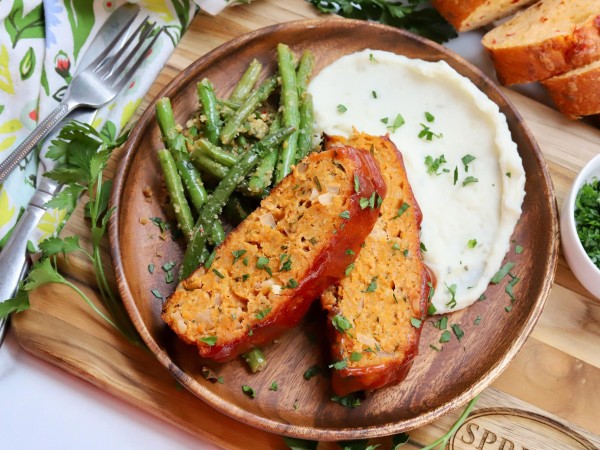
pixel 233 150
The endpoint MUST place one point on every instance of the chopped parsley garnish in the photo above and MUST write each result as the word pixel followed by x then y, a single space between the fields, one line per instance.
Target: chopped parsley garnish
pixel 311 372
pixel 508 174
pixel 210 340
pixel 455 175
pixel 262 263
pixel 477 320
pixel 372 58
pixel 401 210
pixel 356 184
pixel 168 266
pixel 237 254
pixel 245 261
pixel 518 249
pixel 587 219
pixel 415 322
pixel 318 184
pixel 433 165
pixel 262 314
pixel 248 391
pixel 398 122
pixel 445 337
pixel 345 214
pixel 469 180
pixel 452 302
pixel 431 309
pixel 385 120
pixel 274 386
pixel 497 278
pixel 339 365
pixel 156 293
pixel 169 277
pixel 466 160
pixel 442 323
pixel 458 332
pixel 472 243
pixel 374 94
pixel 509 287
pixel 291 284
pixel 349 251
pixel 356 356
pixel 348 401
pixel 428 134
pixel 431 292
pixel 429 117
pixel 349 269
pixel 396 246
pixel 423 248
pixel 217 273
pixel 151 268
pixel 434 348
pixel 341 108
pixel 340 323
pixel 372 285
pixel 285 262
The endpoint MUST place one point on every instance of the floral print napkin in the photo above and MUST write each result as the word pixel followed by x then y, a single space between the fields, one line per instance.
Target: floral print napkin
pixel 41 44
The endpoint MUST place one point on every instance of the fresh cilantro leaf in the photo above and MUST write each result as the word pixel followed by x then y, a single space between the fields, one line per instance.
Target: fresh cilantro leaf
pixel 55 245
pixel 311 372
pixel 348 401
pixel 248 391
pixel 497 278
pixel 210 340
pixel 340 323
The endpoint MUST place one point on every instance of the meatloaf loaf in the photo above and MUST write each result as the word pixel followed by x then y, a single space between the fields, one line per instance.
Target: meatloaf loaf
pixel 547 39
pixel 375 313
pixel 300 240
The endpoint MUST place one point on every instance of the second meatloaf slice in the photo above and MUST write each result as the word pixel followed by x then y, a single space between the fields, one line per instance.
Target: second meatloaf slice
pixel 267 272
pixel 375 314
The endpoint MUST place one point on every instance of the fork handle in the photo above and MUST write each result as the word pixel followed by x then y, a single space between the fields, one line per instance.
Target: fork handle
pixel 40 132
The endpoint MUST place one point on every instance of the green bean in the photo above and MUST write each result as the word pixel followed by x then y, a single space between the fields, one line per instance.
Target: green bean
pixel 191 179
pixel 217 233
pixel 231 127
pixel 219 171
pixel 306 127
pixel 263 176
pixel 247 82
pixel 194 254
pixel 208 99
pixel 216 153
pixel 255 359
pixel 166 122
pixel 175 189
pixel 305 69
pixel 228 103
pixel 291 115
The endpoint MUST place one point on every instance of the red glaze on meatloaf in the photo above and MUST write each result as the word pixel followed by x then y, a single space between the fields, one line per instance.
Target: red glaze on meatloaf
pixel 375 314
pixel 268 271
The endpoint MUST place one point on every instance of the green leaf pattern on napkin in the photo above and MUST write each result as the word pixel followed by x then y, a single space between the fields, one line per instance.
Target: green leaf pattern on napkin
pixel 41 44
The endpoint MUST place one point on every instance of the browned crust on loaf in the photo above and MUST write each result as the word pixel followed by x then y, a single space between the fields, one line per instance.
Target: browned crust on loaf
pixel 576 94
pixel 544 59
pixel 463 15
pixel 397 298
pixel 221 303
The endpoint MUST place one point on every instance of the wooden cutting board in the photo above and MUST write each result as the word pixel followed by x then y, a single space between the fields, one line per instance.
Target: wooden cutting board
pixel 549 396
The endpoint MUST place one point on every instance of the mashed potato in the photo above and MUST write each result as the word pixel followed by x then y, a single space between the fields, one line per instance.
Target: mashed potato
pixel 463 166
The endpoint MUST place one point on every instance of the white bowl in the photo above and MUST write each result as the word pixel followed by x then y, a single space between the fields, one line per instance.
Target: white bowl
pixel 580 263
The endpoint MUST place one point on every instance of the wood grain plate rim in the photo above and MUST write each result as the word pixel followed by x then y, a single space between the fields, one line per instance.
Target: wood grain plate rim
pixel 266 423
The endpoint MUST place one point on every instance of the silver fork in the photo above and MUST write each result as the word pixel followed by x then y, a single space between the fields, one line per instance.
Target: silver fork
pixel 95 86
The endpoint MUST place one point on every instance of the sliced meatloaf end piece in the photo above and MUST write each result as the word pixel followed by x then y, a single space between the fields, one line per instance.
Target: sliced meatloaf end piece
pixel 374 314
pixel 267 272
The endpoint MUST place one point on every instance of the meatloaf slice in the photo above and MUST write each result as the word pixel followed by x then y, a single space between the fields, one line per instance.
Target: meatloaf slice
pixel 374 315
pixel 267 272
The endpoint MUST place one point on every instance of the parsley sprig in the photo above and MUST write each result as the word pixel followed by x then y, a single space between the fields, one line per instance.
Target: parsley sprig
pixel 82 154
pixel 410 15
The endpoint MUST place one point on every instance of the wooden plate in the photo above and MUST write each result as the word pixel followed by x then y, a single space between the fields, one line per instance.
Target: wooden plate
pixel 439 381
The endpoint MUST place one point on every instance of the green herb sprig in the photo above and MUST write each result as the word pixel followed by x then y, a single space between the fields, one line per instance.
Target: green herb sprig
pixel 410 15
pixel 82 154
